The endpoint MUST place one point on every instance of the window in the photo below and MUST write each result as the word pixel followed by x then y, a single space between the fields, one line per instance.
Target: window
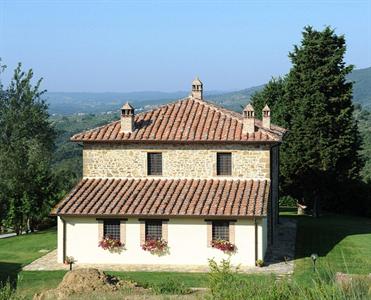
pixel 223 164
pixel 220 230
pixel 111 228
pixel 153 230
pixel 154 163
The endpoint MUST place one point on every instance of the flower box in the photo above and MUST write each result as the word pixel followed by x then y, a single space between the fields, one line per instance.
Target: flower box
pixel 111 244
pixel 158 247
pixel 225 246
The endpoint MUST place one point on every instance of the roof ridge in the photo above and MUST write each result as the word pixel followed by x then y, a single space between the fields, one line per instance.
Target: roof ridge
pixel 221 109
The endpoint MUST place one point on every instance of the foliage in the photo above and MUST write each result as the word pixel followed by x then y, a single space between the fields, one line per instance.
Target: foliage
pixel 259 263
pixel 154 246
pixel 225 284
pixel 111 244
pixel 225 246
pixel 287 201
pixel 26 147
pixel 7 292
pixel 320 156
pixel 170 286
pixel 69 260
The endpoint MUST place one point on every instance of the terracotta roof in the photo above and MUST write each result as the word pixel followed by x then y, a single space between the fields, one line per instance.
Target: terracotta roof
pixel 166 197
pixel 186 120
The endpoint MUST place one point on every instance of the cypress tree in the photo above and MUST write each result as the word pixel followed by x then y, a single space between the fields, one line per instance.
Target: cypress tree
pixel 320 156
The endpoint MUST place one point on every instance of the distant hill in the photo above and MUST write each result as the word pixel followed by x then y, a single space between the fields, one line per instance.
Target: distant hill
pixel 74 103
pixel 361 92
pixel 362 86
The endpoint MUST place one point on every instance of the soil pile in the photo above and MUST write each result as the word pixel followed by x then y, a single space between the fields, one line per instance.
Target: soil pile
pixel 84 281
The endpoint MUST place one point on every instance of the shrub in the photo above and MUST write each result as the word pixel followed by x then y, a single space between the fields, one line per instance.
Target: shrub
pixel 287 201
pixel 7 292
pixel 225 284
pixel 171 287
pixel 259 263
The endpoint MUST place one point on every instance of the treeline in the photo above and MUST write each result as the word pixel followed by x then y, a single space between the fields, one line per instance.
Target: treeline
pixel 321 158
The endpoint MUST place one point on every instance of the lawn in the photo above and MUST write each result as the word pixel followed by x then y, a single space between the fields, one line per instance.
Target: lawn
pixel 16 252
pixel 343 243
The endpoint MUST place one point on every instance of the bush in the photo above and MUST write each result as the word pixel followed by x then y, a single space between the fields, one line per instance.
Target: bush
pixel 287 201
pixel 7 292
pixel 225 284
pixel 170 286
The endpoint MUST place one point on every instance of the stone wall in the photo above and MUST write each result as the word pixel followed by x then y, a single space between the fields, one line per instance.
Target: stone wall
pixel 178 161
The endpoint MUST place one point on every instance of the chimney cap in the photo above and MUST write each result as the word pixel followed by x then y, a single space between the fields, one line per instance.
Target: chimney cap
pixel 266 108
pixel 248 107
pixel 197 81
pixel 127 105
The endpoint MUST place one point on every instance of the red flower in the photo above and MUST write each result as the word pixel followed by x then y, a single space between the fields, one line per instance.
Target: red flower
pixel 224 246
pixel 155 246
pixel 109 243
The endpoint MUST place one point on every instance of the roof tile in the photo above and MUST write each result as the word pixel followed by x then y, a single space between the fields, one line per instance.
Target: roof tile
pixel 166 197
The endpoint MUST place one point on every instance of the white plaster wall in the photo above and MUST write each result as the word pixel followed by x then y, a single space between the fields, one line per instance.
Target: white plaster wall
pixel 187 239
pixel 60 240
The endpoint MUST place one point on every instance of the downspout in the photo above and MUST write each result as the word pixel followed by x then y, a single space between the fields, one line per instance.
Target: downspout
pixel 64 239
pixel 256 239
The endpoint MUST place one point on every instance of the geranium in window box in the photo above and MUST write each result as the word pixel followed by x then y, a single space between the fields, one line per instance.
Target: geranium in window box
pixel 111 244
pixel 225 246
pixel 154 246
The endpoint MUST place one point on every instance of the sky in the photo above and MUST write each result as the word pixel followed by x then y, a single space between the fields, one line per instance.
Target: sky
pixel 124 46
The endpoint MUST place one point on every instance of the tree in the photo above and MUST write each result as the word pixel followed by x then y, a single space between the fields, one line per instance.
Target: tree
pixel 320 156
pixel 26 146
pixel 272 94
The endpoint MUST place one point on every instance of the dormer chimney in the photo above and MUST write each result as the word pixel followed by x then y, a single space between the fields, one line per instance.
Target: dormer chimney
pixel 197 89
pixel 248 120
pixel 127 118
pixel 266 117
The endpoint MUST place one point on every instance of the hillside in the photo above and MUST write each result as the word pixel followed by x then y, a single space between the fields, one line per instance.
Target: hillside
pixel 362 87
pixel 82 103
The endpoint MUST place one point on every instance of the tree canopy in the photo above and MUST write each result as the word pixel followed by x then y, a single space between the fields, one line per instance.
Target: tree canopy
pixel 320 155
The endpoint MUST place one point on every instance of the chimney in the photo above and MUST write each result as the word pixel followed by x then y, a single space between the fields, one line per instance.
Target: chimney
pixel 127 118
pixel 248 120
pixel 197 89
pixel 267 117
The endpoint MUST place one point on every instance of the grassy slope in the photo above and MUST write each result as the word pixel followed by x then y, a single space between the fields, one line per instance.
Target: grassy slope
pixel 343 244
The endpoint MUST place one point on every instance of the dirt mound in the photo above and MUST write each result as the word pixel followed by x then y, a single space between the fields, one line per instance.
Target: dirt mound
pixel 84 281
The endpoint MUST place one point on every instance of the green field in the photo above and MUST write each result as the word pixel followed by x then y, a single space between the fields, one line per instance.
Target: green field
pixel 343 243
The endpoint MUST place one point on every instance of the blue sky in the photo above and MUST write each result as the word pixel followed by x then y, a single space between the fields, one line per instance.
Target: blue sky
pixel 123 46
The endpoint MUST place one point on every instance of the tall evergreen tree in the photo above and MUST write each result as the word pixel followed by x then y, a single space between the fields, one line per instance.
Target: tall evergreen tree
pixel 26 145
pixel 320 156
pixel 272 94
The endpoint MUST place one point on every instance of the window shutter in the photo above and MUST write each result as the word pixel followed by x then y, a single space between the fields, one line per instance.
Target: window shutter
pixel 224 164
pixel 209 229
pixel 165 231
pixel 123 231
pixel 232 232
pixel 100 230
pixel 142 232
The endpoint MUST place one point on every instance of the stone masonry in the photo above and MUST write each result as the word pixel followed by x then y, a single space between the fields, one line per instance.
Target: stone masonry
pixel 179 161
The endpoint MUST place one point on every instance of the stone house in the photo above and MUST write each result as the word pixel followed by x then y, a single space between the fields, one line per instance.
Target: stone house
pixel 177 185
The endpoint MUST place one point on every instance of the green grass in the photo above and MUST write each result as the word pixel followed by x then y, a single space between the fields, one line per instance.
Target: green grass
pixel 343 244
pixel 189 279
pixel 16 252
